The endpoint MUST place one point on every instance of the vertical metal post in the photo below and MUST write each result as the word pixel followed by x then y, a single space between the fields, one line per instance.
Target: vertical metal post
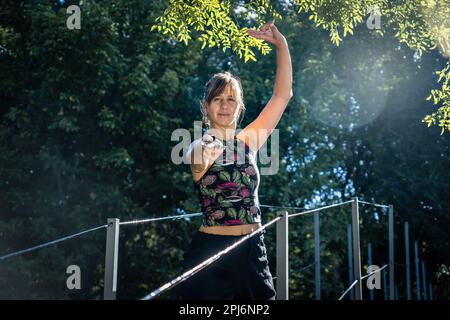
pixel 350 260
pixel 424 282
pixel 317 253
pixel 356 249
pixel 416 262
pixel 384 284
pixel 391 253
pixel 111 259
pixel 369 258
pixel 282 257
pixel 408 268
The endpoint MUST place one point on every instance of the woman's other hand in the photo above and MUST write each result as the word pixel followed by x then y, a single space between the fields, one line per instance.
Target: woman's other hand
pixel 212 148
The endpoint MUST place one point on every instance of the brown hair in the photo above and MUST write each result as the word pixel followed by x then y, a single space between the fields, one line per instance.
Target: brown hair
pixel 217 84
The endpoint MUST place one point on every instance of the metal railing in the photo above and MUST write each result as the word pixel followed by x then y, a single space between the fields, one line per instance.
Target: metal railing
pixel 282 252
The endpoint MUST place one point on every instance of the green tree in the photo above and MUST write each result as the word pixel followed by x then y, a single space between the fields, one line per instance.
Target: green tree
pixel 421 25
pixel 88 114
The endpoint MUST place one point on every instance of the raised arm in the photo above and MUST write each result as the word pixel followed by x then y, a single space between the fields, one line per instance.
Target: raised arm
pixel 257 132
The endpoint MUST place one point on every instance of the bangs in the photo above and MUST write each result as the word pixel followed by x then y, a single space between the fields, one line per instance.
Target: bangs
pixel 220 87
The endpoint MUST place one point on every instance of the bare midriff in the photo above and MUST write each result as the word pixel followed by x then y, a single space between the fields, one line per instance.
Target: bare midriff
pixel 237 230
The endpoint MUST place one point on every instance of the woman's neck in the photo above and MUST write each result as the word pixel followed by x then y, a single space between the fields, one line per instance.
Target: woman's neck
pixel 223 133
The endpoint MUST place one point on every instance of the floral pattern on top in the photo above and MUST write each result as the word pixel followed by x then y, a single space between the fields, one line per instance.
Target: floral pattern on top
pixel 228 191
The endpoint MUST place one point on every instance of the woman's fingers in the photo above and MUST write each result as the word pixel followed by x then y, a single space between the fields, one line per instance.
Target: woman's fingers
pixel 260 34
pixel 207 138
pixel 212 152
pixel 266 32
pixel 265 27
pixel 274 29
pixel 256 34
pixel 209 142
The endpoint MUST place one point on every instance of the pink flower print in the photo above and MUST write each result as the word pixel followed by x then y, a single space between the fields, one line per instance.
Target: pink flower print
pixel 250 171
pixel 244 192
pixel 228 185
pixel 218 214
pixel 206 202
pixel 233 222
pixel 208 180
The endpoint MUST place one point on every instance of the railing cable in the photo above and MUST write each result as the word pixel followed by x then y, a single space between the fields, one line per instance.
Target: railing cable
pixel 46 244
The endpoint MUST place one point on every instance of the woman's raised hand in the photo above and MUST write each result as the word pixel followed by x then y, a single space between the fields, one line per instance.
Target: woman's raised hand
pixel 270 33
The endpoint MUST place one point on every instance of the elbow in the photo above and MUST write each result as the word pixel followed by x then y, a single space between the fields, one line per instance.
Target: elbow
pixel 285 97
pixel 289 96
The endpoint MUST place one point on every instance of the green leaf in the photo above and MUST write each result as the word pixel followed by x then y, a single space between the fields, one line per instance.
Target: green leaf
pixel 232 212
pixel 225 176
pixel 237 177
pixel 252 183
pixel 246 180
pixel 242 214
pixel 215 168
pixel 226 204
pixel 347 29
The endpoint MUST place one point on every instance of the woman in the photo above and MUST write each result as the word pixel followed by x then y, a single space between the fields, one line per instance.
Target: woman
pixel 227 184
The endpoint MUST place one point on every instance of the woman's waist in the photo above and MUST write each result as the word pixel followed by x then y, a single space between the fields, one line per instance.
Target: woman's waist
pixel 235 230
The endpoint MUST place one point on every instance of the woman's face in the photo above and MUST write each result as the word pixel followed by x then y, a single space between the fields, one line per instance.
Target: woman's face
pixel 223 110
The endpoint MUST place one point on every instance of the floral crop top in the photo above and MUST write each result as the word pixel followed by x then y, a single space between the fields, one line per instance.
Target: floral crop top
pixel 228 191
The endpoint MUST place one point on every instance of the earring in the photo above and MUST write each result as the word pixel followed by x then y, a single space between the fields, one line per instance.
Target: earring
pixel 206 121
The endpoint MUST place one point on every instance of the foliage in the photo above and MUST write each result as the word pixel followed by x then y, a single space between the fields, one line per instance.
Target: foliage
pixel 87 117
pixel 421 25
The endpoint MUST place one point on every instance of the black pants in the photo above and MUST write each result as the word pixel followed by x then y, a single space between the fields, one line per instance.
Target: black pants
pixel 241 274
